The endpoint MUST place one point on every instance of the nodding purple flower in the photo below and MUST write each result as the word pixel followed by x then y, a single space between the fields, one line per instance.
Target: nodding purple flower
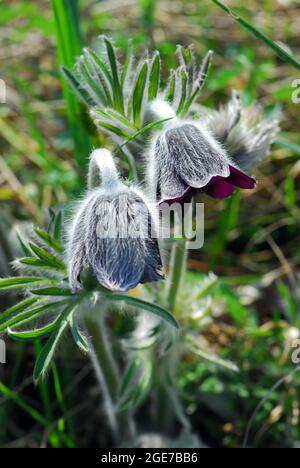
pixel 113 231
pixel 186 158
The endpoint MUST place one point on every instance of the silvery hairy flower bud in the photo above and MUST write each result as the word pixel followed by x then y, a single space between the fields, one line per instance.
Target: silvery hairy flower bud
pixel 113 231
pixel 244 132
pixel 186 158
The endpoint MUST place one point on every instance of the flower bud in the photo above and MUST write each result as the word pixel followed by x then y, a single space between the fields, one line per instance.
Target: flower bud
pixel 113 231
pixel 244 132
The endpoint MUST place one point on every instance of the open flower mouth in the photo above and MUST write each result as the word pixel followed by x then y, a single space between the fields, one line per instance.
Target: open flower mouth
pixel 218 187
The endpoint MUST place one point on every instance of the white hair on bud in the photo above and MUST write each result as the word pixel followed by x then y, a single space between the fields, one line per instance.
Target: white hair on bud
pixel 103 165
pixel 112 231
pixel 245 133
pixel 160 110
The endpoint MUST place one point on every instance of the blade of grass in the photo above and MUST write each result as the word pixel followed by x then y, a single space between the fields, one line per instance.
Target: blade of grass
pixel 283 54
pixel 69 46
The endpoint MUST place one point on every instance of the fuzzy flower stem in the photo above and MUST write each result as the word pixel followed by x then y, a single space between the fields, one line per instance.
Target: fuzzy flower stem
pixel 103 166
pixel 176 274
pixel 108 375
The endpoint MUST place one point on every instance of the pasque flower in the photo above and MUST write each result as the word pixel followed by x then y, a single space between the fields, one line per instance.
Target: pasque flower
pixel 186 157
pixel 113 231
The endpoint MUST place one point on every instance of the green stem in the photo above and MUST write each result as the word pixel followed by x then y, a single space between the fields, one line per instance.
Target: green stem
pixel 177 272
pixel 107 374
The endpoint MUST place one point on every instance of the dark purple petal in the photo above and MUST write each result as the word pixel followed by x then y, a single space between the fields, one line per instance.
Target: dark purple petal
pixel 219 188
pixel 240 179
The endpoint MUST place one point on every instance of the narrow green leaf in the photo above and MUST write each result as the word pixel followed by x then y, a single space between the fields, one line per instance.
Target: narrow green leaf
pixel 25 316
pixel 147 306
pixel 199 83
pixel 52 291
pixel 15 397
pixel 49 240
pixel 127 63
pixel 128 376
pixel 68 41
pixel 138 94
pixel 54 227
pixel 90 82
pixel 17 308
pixel 76 87
pixel 79 338
pixel 35 334
pixel 20 282
pixel 38 264
pixel 135 395
pixel 23 246
pixel 170 91
pixel 47 257
pixel 102 66
pixel 282 53
pixel 117 88
pixel 144 130
pixel 183 87
pixel 103 75
pixel 47 353
pixel 114 115
pixel 154 78
pixel 210 357
pixel 112 128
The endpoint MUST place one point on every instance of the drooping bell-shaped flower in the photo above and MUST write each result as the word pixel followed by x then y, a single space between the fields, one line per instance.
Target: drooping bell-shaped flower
pixel 186 158
pixel 113 231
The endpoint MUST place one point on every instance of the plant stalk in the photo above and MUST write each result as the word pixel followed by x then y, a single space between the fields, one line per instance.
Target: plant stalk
pixel 108 375
pixel 176 274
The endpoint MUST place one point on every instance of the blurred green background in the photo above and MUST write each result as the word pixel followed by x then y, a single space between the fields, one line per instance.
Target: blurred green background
pixel 252 241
